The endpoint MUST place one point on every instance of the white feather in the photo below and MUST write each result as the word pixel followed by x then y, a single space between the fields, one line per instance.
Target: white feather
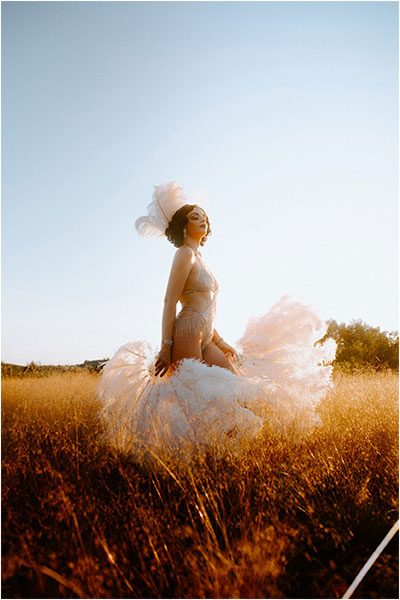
pixel 167 199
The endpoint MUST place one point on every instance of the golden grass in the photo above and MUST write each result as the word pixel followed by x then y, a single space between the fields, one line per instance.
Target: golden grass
pixel 289 519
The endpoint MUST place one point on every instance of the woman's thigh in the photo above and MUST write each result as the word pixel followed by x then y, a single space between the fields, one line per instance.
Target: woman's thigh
pixel 186 347
pixel 212 355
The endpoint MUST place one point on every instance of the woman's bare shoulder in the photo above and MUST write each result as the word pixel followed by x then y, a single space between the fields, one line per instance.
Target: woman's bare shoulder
pixel 184 254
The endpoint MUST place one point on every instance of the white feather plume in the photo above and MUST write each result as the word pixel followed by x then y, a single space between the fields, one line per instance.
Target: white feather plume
pixel 167 199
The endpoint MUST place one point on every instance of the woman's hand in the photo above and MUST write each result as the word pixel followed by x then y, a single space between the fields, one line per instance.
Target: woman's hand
pixel 228 350
pixel 164 360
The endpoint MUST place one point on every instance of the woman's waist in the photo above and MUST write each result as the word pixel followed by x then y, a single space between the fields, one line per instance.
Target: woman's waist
pixel 199 305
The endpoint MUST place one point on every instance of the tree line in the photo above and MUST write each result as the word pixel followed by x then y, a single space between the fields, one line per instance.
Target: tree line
pixel 36 370
pixel 359 346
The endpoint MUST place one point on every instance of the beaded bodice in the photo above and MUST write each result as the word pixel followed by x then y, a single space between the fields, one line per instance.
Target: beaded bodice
pixel 206 282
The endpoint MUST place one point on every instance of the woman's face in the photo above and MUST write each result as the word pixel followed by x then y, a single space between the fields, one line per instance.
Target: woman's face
pixel 197 225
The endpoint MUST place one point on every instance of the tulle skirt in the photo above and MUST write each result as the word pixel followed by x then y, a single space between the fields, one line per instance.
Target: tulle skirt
pixel 282 375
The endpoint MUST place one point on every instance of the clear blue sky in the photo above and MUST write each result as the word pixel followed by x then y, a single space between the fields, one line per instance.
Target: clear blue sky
pixel 284 112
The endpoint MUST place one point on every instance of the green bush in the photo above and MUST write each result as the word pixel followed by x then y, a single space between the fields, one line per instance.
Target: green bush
pixel 359 346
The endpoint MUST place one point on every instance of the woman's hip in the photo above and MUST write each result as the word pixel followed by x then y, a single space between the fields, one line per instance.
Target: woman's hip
pixel 191 323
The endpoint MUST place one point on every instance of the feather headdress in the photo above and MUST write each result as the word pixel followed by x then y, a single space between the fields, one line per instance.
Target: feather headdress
pixel 167 199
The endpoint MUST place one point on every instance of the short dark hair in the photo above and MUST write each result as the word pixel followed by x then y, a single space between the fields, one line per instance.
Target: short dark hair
pixel 174 231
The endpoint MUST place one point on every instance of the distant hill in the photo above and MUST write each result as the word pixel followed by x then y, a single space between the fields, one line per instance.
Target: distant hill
pixel 11 370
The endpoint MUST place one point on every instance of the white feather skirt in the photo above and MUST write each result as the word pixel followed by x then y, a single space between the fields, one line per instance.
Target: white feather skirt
pixel 200 409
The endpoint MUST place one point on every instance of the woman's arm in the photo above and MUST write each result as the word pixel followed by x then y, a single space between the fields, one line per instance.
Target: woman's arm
pixel 181 266
pixel 168 319
pixel 222 345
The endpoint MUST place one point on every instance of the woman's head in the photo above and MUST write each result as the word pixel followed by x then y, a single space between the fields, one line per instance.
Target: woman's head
pixel 191 219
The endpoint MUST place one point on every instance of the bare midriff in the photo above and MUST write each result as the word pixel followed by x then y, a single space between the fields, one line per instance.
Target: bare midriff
pixel 199 301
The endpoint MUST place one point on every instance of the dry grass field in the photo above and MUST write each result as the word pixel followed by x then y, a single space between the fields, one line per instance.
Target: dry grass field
pixel 289 519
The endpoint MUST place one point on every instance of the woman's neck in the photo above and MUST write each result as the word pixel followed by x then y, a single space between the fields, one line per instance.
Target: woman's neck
pixel 194 245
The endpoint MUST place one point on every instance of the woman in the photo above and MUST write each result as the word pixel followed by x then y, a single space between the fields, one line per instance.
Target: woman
pixel 191 334
pixel 204 403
